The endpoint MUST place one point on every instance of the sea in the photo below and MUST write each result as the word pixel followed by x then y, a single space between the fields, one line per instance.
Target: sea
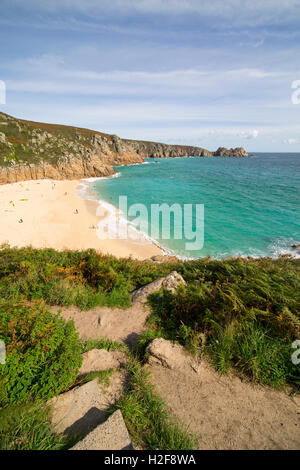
pixel 250 206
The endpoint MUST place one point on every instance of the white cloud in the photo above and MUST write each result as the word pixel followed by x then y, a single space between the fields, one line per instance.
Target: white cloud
pixel 291 141
pixel 252 134
pixel 54 74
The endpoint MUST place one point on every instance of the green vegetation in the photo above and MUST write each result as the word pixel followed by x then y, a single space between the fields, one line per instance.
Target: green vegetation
pixel 81 278
pixel 43 353
pixel 256 353
pixel 102 376
pixel 242 314
pixel 27 427
pixel 30 142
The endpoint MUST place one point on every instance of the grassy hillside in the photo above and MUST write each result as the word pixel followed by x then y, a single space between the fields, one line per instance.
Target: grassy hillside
pixel 241 314
pixel 30 142
pixel 225 301
pixel 21 138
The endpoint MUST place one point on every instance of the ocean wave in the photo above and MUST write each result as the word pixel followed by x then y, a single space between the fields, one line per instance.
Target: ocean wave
pixel 283 247
pixel 275 250
pixel 114 225
pixel 86 190
pixel 137 164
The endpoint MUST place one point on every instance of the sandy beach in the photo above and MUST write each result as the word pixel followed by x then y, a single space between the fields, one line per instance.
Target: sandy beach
pixel 47 213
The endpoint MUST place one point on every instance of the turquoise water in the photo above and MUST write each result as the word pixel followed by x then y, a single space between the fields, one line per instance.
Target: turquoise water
pixel 251 204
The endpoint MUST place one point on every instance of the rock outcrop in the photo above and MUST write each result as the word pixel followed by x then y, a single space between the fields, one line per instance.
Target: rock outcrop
pixel 169 282
pixel 237 152
pixel 31 150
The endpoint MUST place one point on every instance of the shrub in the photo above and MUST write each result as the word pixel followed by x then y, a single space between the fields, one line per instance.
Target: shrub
pixel 43 352
pixel 81 278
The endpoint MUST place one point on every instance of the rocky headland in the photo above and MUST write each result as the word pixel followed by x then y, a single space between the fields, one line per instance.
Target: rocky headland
pixel 31 150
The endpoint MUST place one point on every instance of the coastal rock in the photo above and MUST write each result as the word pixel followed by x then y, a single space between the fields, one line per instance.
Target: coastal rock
pixel 237 152
pixel 169 282
pixel 111 435
pixel 101 359
pixel 172 281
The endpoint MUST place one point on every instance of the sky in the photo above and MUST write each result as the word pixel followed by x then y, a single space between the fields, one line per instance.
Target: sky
pixel 196 72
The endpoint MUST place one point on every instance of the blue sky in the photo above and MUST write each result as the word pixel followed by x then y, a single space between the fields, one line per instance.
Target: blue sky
pixel 198 72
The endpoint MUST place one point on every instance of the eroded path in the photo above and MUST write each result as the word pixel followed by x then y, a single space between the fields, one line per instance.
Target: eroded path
pixel 104 322
pixel 225 412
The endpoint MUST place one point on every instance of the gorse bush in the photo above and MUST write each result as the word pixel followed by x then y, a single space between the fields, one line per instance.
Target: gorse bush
pixel 82 278
pixel 43 354
pixel 219 292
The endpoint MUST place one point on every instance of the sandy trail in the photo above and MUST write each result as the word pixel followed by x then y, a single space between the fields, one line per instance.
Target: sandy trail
pixel 104 322
pixel 53 215
pixel 227 413
pixel 223 411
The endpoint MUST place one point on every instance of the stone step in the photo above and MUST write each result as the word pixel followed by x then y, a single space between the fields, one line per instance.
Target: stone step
pixel 110 435
pixel 78 411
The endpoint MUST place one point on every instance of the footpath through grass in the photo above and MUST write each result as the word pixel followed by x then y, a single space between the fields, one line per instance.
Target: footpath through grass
pixel 240 313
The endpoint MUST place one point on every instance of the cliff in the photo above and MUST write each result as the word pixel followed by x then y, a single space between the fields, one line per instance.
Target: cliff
pixel 31 150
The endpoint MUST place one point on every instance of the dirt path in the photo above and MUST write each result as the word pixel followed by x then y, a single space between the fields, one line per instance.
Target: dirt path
pixel 225 412
pixel 103 322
